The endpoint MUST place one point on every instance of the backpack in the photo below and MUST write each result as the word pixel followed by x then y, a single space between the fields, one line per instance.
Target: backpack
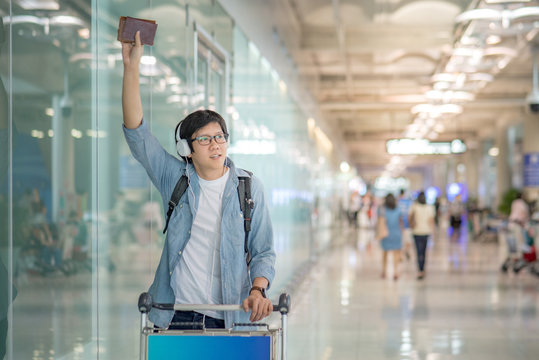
pixel 244 196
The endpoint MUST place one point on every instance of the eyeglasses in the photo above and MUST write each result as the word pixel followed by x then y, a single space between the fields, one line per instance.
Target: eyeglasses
pixel 205 140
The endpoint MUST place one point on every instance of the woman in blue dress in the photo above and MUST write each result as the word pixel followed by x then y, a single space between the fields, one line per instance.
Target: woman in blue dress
pixel 393 240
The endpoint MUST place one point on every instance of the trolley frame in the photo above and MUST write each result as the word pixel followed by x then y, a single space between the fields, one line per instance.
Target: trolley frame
pixel 277 336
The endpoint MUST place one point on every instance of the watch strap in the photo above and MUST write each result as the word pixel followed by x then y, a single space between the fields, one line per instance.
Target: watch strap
pixel 258 288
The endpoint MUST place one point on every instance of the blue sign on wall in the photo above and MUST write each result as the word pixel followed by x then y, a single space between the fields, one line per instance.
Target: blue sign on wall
pixel 531 170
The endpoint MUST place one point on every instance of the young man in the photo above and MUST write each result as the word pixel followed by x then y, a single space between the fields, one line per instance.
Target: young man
pixel 203 259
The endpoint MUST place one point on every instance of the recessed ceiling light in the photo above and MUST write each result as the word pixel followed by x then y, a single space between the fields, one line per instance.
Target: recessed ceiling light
pixel 505 1
pixel 493 39
pixel 494 151
pixel 66 20
pixel 480 77
pixel 84 33
pixel 479 14
pixel 500 50
pixel 39 4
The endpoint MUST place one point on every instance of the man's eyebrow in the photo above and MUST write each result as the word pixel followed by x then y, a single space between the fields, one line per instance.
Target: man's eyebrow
pixel 219 133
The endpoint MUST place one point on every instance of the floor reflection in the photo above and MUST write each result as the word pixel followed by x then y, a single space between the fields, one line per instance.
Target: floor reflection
pixel 465 308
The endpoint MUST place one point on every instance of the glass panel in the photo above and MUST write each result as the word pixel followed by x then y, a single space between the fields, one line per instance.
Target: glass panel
pixel 51 181
pixel 216 93
pixel 88 223
pixel 84 238
pixel 130 209
pixel 287 163
pixel 201 89
pixel 211 75
pixel 6 243
pixel 212 82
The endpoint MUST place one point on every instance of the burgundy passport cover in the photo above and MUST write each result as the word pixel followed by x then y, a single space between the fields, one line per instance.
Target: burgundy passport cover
pixel 129 26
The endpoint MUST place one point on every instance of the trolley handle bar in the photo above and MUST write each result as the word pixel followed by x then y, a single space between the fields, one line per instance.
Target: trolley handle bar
pixel 145 304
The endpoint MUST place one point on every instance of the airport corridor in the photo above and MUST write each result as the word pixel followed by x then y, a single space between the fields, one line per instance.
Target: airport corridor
pixel 465 308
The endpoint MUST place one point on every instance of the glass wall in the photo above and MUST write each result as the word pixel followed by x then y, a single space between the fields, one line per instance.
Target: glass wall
pixel 81 225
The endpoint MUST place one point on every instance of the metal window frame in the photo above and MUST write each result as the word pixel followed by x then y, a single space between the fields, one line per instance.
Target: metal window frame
pixel 204 37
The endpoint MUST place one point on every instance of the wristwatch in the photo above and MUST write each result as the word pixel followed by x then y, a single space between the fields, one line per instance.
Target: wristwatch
pixel 261 289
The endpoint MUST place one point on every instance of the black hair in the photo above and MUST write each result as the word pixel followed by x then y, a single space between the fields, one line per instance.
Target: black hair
pixel 421 198
pixel 390 201
pixel 195 121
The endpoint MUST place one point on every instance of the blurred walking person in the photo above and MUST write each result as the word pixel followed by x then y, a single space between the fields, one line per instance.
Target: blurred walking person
pixel 456 210
pixel 404 204
pixel 518 221
pixel 353 207
pixel 392 242
pixel 421 220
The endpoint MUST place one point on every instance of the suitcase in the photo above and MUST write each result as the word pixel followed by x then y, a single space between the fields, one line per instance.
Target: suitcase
pixel 260 343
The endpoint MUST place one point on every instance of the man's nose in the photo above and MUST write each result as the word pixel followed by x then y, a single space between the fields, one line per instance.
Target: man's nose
pixel 213 142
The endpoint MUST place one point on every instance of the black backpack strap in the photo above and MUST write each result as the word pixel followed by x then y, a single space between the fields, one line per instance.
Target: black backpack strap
pixel 246 205
pixel 179 189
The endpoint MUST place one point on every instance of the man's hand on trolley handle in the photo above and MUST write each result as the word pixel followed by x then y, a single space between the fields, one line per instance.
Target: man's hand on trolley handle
pixel 260 306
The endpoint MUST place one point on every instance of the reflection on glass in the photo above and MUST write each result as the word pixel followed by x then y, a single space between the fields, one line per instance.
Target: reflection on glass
pixel 5 243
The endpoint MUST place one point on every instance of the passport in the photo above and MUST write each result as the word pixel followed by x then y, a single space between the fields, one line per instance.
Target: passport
pixel 129 26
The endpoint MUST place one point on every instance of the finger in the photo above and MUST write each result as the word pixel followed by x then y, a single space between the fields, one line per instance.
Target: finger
pixel 262 310
pixel 246 305
pixel 254 311
pixel 269 308
pixel 137 39
pixel 252 318
pixel 126 49
pixel 266 312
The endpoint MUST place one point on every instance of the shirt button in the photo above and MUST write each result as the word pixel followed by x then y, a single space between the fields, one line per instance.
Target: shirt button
pixel 179 252
pixel 171 273
pixel 181 206
pixel 189 231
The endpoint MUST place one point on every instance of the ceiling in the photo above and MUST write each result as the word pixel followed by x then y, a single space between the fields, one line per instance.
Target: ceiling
pixel 368 63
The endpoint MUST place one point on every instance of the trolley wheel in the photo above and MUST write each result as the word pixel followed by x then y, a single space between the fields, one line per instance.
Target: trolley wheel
pixel 519 265
pixel 505 265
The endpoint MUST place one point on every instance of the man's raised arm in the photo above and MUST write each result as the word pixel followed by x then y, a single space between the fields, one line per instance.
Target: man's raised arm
pixel 131 103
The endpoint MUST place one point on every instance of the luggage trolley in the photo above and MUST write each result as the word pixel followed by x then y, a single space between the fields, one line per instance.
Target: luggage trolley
pixel 205 344
pixel 527 249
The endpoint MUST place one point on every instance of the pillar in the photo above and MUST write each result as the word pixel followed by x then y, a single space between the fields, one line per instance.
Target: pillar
pixel 503 170
pixel 471 161
pixel 530 145
pixel 62 145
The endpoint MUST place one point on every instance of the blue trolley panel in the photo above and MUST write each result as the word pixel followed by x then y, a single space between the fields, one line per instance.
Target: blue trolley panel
pixel 195 347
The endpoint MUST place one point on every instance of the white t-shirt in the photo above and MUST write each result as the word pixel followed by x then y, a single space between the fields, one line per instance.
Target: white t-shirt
pixel 423 214
pixel 197 277
pixel 519 211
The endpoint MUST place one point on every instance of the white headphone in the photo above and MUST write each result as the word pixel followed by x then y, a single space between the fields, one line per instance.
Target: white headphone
pixel 182 146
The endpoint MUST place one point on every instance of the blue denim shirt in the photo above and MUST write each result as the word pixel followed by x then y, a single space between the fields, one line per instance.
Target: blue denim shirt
pixel 164 171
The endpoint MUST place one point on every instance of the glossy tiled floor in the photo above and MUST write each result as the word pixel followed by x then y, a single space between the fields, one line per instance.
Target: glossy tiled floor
pixel 464 308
